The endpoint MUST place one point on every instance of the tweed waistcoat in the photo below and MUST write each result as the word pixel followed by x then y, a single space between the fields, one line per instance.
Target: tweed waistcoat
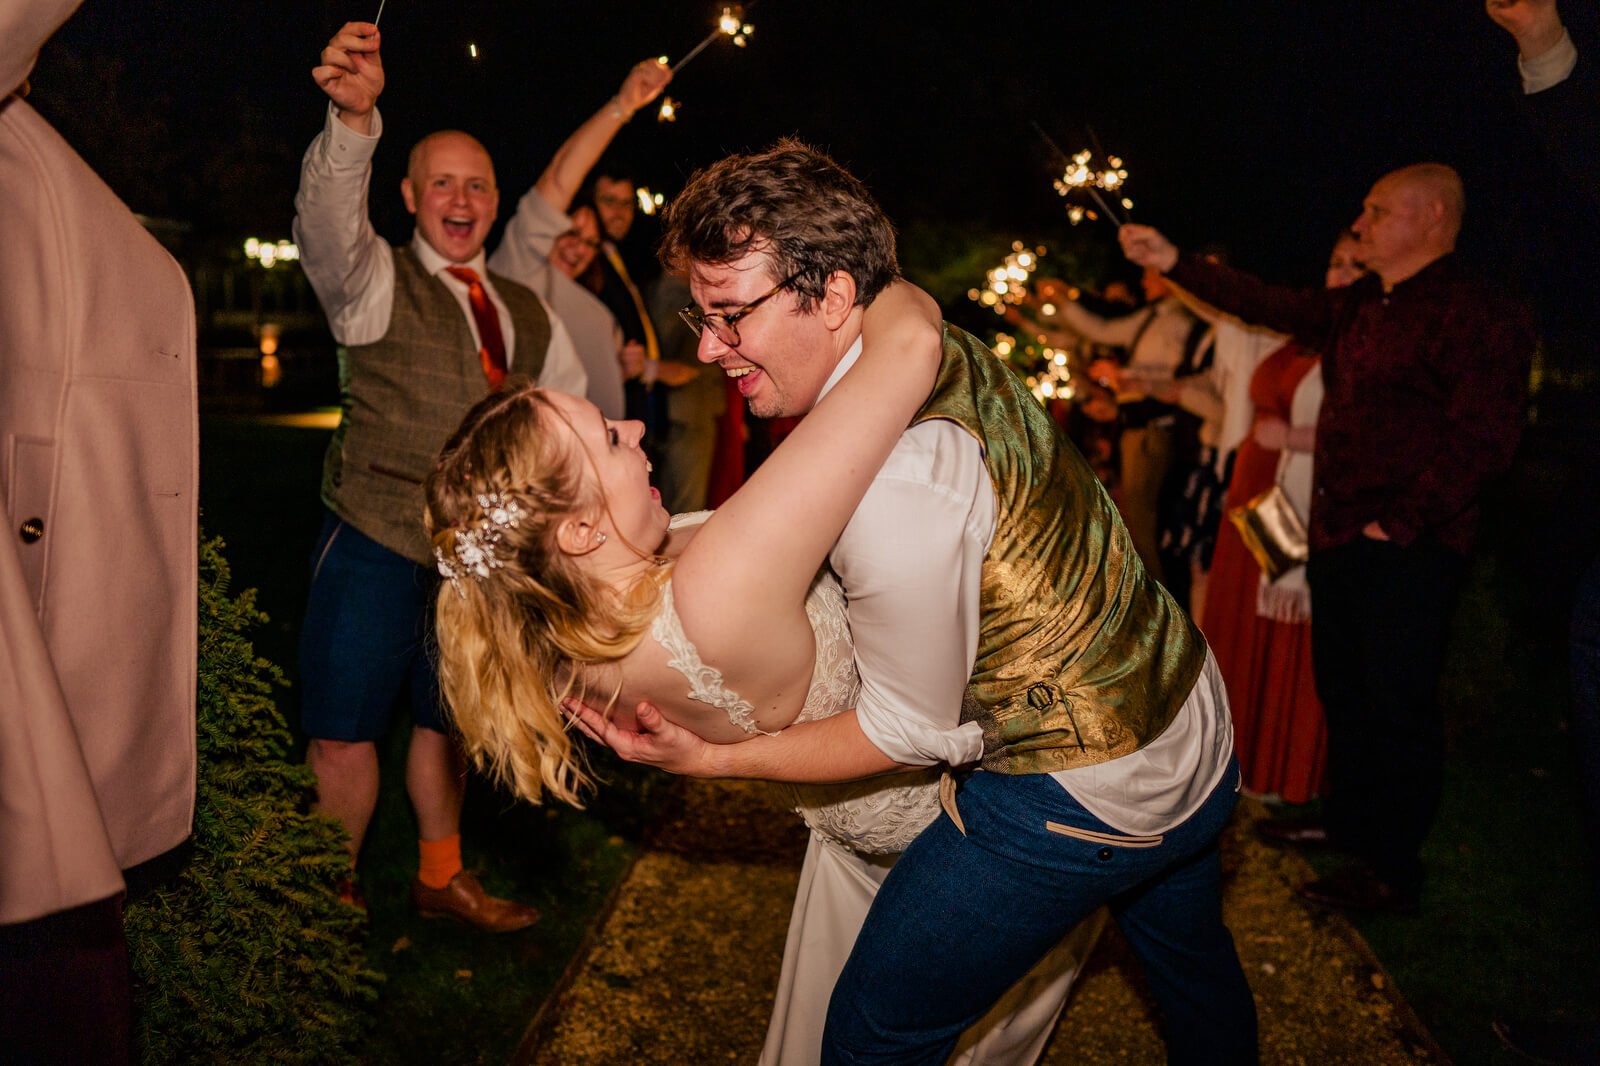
pixel 1082 656
pixel 403 396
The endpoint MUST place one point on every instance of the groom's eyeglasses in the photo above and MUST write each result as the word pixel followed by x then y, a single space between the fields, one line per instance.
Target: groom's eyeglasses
pixel 725 327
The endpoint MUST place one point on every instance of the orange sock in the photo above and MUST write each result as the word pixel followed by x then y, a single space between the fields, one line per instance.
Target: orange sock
pixel 441 860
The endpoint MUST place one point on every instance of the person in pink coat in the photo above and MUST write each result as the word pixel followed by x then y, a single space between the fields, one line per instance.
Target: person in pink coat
pixel 98 480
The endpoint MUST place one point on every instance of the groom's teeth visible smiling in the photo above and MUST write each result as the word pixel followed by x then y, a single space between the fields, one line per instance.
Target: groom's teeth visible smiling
pixel 737 371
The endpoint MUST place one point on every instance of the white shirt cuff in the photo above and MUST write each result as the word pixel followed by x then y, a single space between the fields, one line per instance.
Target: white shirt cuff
pixel 1552 68
pixel 345 147
pixel 906 743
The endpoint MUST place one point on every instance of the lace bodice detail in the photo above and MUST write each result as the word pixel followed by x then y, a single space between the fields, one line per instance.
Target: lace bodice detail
pixel 881 815
pixel 705 682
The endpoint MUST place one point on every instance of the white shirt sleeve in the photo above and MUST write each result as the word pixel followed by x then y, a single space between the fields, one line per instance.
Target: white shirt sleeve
pixel 524 249
pixel 350 267
pixel 911 564
pixel 1119 331
pixel 563 370
pixel 1550 69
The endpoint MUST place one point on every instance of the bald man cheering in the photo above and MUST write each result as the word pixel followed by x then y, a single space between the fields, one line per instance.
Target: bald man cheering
pixel 1426 370
pixel 425 331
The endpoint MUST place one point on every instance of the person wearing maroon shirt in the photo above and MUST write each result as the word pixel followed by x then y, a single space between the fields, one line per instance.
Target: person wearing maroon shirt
pixel 1426 371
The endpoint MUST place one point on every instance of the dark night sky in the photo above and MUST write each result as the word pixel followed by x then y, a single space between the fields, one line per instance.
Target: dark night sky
pixel 1258 124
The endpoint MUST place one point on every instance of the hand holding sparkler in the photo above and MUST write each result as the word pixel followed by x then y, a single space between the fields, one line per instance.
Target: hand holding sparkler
pixel 642 85
pixel 351 73
pixel 1145 246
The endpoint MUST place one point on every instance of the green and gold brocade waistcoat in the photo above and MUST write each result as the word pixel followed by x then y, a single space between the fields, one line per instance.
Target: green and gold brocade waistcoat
pixel 1082 656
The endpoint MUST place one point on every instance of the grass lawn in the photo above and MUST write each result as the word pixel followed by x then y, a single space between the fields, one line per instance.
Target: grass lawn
pixel 452 994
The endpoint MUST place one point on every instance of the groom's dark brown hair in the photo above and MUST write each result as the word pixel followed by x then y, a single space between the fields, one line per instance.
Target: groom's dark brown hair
pixel 808 214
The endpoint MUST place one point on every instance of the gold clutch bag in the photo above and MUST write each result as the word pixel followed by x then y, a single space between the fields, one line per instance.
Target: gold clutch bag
pixel 1272 531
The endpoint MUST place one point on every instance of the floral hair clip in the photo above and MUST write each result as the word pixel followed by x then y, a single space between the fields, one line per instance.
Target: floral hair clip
pixel 475 545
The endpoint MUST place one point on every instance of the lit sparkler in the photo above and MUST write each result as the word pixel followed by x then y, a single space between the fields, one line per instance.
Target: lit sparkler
pixel 1045 370
pixel 1007 284
pixel 649 202
pixel 731 24
pixel 1080 174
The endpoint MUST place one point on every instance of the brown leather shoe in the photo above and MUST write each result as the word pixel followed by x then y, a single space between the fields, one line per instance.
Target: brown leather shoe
pixel 465 900
pixel 1293 832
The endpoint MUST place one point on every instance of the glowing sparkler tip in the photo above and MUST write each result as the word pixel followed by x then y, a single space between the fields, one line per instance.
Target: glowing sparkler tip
pixel 668 111
pixel 649 202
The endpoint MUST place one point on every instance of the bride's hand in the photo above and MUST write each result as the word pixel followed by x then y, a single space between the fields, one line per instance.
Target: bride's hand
pixel 655 742
pixel 905 324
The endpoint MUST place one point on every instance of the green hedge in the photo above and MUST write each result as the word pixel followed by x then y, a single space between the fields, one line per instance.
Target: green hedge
pixel 248 954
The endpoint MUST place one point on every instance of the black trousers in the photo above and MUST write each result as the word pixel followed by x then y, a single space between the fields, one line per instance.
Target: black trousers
pixel 1380 616
pixel 65 992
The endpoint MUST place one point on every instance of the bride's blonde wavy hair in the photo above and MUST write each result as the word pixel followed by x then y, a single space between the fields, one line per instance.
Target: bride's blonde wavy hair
pixel 514 644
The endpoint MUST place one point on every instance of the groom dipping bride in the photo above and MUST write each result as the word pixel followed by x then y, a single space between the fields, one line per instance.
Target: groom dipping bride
pixel 1002 625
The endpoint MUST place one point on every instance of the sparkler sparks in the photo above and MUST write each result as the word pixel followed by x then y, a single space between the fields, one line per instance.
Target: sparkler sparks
pixel 649 202
pixel 730 24
pixel 1081 175
pixel 1008 282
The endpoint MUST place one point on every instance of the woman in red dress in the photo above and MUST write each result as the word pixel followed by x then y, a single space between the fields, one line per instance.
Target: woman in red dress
pixel 1260 632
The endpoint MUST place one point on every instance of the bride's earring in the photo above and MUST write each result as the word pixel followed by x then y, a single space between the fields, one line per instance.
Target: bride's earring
pixel 599 538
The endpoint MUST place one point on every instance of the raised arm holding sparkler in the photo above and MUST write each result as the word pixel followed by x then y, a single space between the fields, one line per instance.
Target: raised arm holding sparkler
pixel 351 73
pixel 578 154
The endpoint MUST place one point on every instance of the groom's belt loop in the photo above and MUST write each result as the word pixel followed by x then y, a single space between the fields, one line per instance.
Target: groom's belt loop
pixel 947 798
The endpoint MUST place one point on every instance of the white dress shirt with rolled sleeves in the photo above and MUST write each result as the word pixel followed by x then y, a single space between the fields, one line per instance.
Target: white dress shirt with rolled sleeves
pixel 351 268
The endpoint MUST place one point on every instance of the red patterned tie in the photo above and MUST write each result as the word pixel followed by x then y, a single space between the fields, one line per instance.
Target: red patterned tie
pixel 492 348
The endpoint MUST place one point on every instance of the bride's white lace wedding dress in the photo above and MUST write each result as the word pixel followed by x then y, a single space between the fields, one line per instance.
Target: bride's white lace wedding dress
pixel 858 829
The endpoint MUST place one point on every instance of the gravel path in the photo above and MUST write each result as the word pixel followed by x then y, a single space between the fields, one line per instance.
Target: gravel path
pixel 682 966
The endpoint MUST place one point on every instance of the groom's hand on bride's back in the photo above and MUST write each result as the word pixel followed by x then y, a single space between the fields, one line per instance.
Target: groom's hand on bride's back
pixel 653 740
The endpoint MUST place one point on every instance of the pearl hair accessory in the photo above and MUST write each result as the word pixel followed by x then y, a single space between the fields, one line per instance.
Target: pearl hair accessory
pixel 475 545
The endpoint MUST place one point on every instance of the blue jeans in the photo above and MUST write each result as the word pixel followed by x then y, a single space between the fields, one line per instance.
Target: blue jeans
pixel 961 917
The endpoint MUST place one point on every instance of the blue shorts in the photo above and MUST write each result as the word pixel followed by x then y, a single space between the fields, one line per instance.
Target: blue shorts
pixel 367 640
